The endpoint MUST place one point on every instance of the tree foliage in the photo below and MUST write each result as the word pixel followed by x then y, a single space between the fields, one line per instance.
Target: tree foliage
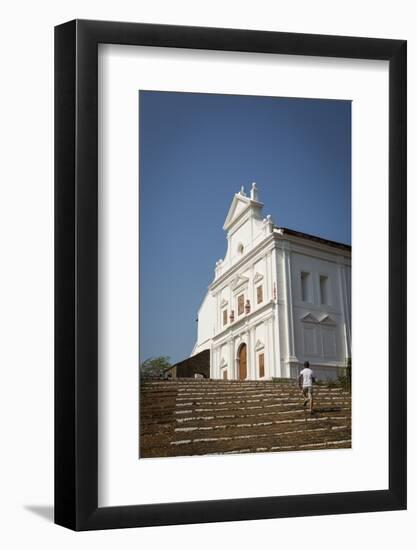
pixel 345 377
pixel 154 367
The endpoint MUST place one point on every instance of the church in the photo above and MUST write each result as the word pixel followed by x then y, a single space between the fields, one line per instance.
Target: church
pixel 278 298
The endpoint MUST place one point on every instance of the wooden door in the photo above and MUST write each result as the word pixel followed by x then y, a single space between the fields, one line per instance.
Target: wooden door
pixel 242 362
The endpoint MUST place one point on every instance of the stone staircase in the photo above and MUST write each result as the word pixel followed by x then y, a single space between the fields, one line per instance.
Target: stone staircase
pixel 183 417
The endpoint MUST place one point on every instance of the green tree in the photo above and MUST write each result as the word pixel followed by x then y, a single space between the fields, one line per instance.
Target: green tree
pixel 154 366
pixel 345 377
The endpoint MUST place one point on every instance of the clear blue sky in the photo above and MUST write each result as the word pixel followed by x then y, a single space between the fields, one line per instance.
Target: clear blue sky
pixel 196 150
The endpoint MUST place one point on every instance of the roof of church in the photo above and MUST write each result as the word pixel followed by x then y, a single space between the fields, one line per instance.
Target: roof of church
pixel 301 235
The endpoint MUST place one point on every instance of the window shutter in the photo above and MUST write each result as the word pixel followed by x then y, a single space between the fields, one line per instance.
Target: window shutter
pixel 259 294
pixel 261 365
pixel 240 304
pixel 225 317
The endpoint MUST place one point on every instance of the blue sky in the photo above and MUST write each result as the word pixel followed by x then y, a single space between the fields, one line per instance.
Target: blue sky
pixel 196 151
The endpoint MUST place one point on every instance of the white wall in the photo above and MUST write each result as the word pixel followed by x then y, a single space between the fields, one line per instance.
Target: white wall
pixel 26 289
pixel 206 323
pixel 319 343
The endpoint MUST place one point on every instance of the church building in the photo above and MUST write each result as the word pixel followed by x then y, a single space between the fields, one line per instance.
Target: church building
pixel 279 297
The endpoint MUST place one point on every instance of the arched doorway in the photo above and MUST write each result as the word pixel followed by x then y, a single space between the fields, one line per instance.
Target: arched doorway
pixel 242 362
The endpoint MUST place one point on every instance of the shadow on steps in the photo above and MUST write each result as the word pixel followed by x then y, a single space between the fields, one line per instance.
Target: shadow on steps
pixel 327 409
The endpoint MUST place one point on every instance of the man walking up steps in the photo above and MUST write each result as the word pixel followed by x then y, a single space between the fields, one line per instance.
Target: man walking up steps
pixel 305 382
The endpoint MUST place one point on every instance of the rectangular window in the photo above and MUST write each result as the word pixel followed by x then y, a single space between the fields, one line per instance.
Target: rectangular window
pixel 224 317
pixel 305 286
pixel 259 294
pixel 225 374
pixel 324 294
pixel 240 304
pixel 261 365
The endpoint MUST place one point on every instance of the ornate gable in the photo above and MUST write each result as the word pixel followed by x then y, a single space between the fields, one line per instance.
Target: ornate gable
pixel 327 320
pixel 309 318
pixel 239 204
pixel 238 282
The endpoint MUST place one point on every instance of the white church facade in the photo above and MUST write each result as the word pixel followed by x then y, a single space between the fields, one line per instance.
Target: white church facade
pixel 279 298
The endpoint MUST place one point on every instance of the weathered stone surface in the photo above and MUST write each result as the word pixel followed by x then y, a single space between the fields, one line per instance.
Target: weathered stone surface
pixel 182 417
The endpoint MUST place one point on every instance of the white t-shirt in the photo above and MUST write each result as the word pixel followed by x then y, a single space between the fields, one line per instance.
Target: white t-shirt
pixel 307 375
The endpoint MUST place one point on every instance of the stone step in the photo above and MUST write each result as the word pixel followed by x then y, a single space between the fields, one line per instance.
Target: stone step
pixel 243 412
pixel 231 385
pixel 292 395
pixel 151 394
pixel 220 400
pixel 247 429
pixel 206 408
pixel 218 384
pixel 232 417
pixel 163 446
pixel 157 452
pixel 188 418
pixel 341 444
pixel 214 426
pixel 207 382
pixel 226 399
pixel 252 433
pixel 190 423
pixel 245 386
pixel 194 417
pixel 157 402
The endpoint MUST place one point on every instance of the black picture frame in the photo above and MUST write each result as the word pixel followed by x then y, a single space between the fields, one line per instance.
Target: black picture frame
pixel 76 272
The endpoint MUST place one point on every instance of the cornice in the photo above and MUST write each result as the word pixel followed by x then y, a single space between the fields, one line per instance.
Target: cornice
pixel 245 320
pixel 304 246
pixel 278 241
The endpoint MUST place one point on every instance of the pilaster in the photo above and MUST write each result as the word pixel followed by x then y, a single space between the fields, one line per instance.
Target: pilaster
pixel 344 306
pixel 289 315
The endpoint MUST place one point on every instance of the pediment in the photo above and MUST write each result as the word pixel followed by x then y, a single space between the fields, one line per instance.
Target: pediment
pixel 259 345
pixel 239 281
pixel 258 277
pixel 240 203
pixel 327 320
pixel 309 318
pixel 223 362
